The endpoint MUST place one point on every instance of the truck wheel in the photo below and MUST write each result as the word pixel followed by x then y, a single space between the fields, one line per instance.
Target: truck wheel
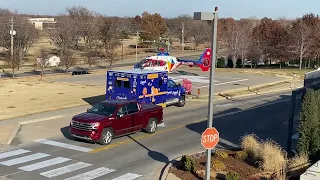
pixel 182 101
pixel 152 126
pixel 106 136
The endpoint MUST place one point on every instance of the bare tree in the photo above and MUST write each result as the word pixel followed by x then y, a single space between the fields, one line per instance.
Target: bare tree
pixel 26 35
pixel 244 28
pixel 86 23
pixel 68 59
pixel 65 35
pixel 109 35
pixel 111 57
pixel 200 31
pixel 232 37
pixel 43 60
pixel 301 37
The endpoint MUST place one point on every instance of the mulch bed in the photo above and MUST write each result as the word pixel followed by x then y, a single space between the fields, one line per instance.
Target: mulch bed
pixel 246 169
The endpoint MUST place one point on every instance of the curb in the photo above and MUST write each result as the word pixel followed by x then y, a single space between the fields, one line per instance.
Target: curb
pixel 223 94
pixel 165 169
pixel 17 126
pixel 244 95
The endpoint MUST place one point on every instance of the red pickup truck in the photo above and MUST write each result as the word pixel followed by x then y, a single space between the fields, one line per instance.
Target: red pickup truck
pixel 112 118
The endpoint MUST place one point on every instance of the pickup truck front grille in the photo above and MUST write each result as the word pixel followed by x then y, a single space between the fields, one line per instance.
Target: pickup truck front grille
pixel 82 126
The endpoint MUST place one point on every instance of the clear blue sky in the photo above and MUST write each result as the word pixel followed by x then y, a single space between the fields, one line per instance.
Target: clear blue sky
pixel 170 8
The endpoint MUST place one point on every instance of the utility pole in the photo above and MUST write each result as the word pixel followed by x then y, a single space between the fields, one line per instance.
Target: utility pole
pixel 137 45
pixel 182 39
pixel 11 33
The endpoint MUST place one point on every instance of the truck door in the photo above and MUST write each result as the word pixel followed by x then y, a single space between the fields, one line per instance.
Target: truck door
pixel 122 88
pixel 173 90
pixel 123 123
pixel 137 118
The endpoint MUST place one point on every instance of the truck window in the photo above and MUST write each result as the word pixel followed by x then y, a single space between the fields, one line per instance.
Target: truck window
pixel 118 83
pixel 132 108
pixel 172 83
pixel 122 111
pixel 103 109
pixel 126 84
pixel 160 82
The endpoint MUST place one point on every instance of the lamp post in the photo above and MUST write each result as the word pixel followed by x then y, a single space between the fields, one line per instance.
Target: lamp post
pixel 209 16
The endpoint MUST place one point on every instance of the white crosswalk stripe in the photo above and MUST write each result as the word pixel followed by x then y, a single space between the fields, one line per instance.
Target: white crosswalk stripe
pixel 128 176
pixel 63 145
pixel 44 164
pixel 24 159
pixel 13 153
pixel 91 174
pixel 65 169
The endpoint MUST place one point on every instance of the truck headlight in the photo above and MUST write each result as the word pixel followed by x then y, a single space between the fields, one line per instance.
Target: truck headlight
pixel 71 122
pixel 95 125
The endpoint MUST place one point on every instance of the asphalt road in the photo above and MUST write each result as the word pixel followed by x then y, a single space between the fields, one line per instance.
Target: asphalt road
pixel 200 80
pixel 141 154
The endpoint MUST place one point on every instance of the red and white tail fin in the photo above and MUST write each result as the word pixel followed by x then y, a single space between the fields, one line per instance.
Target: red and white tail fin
pixel 205 60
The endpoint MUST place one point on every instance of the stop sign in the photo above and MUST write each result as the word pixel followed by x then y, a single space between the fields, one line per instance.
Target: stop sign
pixel 210 138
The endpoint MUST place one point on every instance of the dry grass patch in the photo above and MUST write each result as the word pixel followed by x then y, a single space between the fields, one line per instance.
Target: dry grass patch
pixel 298 162
pixel 273 157
pixel 29 95
pixel 250 144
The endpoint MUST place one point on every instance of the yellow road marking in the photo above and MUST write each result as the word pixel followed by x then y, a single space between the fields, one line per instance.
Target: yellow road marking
pixel 139 137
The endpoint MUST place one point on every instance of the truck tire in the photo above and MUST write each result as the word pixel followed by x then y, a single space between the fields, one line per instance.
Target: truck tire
pixel 152 126
pixel 182 101
pixel 106 136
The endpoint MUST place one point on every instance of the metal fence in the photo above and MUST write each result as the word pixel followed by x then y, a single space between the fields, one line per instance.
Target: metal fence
pixel 311 81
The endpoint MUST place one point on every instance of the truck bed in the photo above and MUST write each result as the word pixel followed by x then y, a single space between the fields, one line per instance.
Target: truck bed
pixel 149 106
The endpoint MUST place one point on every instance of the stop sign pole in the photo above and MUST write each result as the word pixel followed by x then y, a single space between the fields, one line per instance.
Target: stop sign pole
pixel 210 17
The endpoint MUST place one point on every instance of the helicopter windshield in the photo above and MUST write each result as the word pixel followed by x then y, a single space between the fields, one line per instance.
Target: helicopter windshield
pixel 141 63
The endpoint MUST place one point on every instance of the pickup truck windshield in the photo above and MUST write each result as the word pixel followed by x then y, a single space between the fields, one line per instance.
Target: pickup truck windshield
pixel 103 109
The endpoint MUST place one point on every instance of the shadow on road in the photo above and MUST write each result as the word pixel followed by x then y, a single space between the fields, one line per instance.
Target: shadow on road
pixel 157 156
pixel 95 99
pixel 266 121
pixel 153 154
pixel 180 72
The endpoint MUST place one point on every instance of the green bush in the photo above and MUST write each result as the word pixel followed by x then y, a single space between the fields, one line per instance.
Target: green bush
pixel 309 128
pixel 188 163
pixel 217 165
pixel 241 155
pixel 221 153
pixel 231 175
pixel 221 62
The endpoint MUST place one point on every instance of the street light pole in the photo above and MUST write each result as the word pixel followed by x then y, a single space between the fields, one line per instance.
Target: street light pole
pixel 137 45
pixel 214 17
pixel 211 89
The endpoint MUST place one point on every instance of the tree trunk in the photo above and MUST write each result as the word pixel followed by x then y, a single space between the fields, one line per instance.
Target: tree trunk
pixel 301 56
